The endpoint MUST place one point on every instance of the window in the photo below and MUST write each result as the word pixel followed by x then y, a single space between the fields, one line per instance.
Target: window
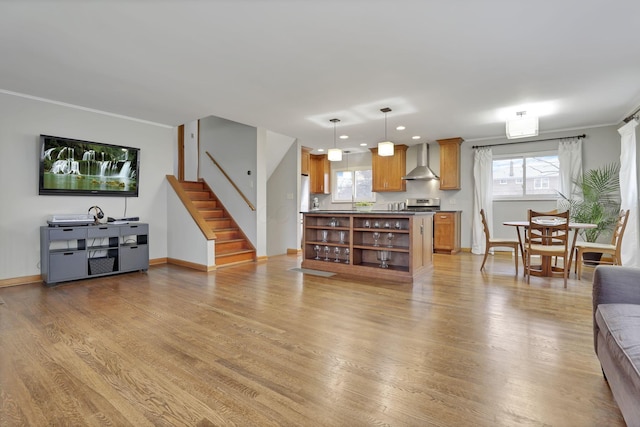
pixel 526 176
pixel 541 183
pixel 344 190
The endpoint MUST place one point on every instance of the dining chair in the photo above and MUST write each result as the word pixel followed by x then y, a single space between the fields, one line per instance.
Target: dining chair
pixel 491 242
pixel 612 249
pixel 547 236
pixel 526 237
pixel 554 212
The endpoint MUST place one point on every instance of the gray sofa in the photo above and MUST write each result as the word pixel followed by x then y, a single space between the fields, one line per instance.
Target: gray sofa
pixel 616 334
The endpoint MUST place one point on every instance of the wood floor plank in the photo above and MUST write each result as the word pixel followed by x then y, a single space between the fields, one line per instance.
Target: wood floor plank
pixel 258 344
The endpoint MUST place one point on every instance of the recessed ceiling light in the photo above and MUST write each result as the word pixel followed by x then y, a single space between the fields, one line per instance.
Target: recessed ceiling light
pixel 363 144
pixel 400 128
pixel 415 137
pixel 344 136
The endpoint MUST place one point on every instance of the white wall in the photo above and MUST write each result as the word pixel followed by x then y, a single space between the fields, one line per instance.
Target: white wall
pixel 23 211
pixel 261 192
pixel 282 209
pixel 277 147
pixel 601 146
pixel 185 239
pixel 234 146
pixel 249 156
pixel 190 151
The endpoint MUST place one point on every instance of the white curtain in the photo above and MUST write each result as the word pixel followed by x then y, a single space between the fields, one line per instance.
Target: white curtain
pixel 482 197
pixel 570 159
pixel 629 193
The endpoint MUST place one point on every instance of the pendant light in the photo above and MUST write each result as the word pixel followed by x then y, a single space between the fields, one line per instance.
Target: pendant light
pixel 334 154
pixel 385 148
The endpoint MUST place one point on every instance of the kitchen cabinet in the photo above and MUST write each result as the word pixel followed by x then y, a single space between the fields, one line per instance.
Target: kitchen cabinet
pixel 305 159
pixel 353 242
pixel 387 171
pixel 422 241
pixel 319 174
pixel 446 232
pixel 450 163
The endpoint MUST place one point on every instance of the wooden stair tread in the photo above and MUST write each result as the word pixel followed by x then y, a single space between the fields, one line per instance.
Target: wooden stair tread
pixel 234 263
pixel 211 213
pixel 201 196
pixel 230 240
pixel 213 226
pixel 187 185
pixel 233 252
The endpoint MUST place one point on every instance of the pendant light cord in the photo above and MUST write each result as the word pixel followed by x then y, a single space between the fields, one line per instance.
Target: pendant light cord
pixel 385 127
pixel 385 111
pixel 334 121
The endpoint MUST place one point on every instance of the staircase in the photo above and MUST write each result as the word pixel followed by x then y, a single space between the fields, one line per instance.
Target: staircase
pixel 232 247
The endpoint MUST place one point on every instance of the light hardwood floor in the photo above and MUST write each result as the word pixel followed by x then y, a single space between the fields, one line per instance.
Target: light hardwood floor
pixel 262 345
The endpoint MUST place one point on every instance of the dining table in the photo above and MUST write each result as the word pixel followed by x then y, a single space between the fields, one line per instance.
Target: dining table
pixel 547 269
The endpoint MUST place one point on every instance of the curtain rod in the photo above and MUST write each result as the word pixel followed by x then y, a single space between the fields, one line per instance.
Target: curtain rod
pixel 631 116
pixel 535 140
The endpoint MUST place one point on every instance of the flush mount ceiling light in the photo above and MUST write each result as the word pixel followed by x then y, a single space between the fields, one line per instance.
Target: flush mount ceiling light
pixel 385 148
pixel 522 126
pixel 334 154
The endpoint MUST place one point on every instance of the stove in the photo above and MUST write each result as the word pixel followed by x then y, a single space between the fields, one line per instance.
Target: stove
pixel 422 205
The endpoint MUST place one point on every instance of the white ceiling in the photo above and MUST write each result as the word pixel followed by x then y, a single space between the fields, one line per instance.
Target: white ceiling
pixel 446 68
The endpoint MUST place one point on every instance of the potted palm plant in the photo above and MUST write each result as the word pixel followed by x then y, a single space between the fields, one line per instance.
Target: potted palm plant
pixel 600 202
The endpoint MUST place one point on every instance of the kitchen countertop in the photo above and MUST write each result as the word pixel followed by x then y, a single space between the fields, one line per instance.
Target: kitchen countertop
pixel 373 212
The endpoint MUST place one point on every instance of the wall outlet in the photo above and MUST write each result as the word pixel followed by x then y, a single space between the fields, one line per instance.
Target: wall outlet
pixel 452 201
pixel 289 196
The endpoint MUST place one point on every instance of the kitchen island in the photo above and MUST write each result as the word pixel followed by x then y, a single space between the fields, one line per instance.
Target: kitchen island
pixel 386 245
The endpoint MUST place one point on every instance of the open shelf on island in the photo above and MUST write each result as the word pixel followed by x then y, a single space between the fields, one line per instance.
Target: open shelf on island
pixel 351 238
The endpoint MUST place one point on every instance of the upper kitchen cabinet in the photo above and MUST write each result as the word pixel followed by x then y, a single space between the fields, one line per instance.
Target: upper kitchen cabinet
pixel 388 171
pixel 319 174
pixel 305 159
pixel 450 163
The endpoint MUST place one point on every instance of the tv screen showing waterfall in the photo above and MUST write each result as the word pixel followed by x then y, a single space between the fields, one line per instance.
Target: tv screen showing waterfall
pixel 84 168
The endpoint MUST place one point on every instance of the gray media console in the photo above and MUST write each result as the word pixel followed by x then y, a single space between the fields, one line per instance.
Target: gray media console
pixel 72 253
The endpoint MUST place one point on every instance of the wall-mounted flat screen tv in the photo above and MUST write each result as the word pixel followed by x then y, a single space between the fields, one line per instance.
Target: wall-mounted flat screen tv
pixel 85 168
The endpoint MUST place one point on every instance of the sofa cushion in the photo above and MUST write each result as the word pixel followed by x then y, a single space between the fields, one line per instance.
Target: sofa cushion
pixel 620 324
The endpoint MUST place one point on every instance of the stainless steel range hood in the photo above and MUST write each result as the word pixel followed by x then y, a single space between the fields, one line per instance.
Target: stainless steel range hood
pixel 422 171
